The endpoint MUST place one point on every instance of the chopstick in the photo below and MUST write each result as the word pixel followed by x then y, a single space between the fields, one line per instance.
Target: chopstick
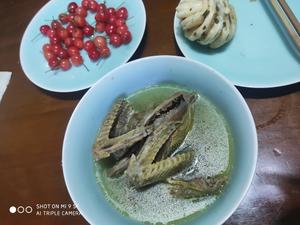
pixel 286 22
pixel 290 15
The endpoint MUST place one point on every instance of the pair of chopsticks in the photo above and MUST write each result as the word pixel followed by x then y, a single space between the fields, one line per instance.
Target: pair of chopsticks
pixel 288 19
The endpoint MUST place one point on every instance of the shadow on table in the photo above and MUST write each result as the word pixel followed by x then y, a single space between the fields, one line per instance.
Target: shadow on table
pixel 139 52
pixel 178 51
pixel 77 95
pixel 268 92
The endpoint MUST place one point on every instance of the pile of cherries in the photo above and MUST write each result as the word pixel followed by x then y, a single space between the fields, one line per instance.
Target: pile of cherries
pixel 71 33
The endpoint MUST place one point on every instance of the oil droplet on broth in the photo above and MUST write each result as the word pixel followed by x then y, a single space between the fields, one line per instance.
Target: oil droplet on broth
pixel 210 137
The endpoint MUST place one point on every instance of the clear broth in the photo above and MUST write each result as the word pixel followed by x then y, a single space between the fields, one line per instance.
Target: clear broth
pixel 212 140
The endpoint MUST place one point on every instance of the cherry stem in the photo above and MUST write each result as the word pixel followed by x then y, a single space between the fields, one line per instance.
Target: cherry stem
pixel 98 62
pixel 54 69
pixel 120 5
pixel 35 37
pixel 47 71
pixel 129 18
pixel 101 63
pixel 47 20
pixel 86 67
pixel 130 25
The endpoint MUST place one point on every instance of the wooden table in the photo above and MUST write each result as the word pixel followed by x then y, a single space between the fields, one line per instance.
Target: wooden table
pixel 33 122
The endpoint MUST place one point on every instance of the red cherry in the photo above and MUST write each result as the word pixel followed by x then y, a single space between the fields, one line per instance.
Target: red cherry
pixel 65 64
pixel 51 33
pixel 47 47
pixel 55 40
pixel 110 29
pixel 62 33
pixel 68 42
pixel 120 22
pixel 44 29
pixel 79 21
pixel 55 24
pixel 93 6
pixel 88 30
pixel 64 18
pixel 89 45
pixel 100 42
pixel 77 42
pixel 101 7
pixel 100 27
pixel 94 54
pixel 48 55
pixel 70 28
pixel 55 48
pixel 77 59
pixel 72 7
pixel 126 37
pixel 73 51
pixel 110 11
pixel 115 40
pixel 53 63
pixel 122 13
pixel 71 17
pixel 63 54
pixel 77 33
pixel 105 52
pixel 81 11
pixel 112 20
pixel 85 3
pixel 101 16
pixel 122 29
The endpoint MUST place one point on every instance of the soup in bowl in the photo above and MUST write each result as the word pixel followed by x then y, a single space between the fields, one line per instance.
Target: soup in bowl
pixel 160 140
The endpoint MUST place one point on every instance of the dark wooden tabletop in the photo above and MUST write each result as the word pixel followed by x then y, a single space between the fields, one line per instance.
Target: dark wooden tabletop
pixel 33 122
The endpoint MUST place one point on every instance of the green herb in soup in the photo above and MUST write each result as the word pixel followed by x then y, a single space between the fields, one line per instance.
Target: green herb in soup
pixel 163 154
